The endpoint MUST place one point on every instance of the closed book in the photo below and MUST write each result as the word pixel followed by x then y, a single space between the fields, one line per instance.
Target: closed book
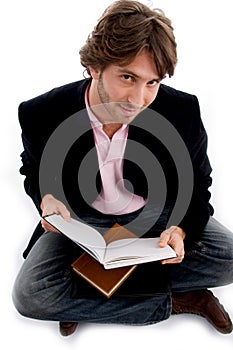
pixel 105 281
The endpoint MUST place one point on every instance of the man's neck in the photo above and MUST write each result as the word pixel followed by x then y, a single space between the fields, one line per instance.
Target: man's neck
pixel 111 128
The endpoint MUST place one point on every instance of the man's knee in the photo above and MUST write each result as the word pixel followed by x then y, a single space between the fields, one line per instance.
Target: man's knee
pixel 27 298
pixel 23 298
pixel 21 301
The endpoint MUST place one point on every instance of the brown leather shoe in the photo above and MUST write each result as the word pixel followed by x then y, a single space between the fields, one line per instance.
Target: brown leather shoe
pixel 67 328
pixel 205 304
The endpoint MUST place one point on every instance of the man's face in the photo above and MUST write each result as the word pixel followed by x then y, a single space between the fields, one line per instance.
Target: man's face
pixel 118 94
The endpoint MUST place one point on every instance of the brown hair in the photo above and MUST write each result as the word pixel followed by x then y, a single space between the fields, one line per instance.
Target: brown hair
pixel 125 29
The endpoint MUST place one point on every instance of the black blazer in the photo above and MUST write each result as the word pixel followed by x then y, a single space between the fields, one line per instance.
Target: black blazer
pixel 41 116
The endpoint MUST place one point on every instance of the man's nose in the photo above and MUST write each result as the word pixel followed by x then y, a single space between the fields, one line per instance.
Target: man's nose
pixel 137 96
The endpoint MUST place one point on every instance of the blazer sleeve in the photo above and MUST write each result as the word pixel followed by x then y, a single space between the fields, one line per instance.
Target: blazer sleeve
pixel 200 209
pixel 39 117
pixel 30 156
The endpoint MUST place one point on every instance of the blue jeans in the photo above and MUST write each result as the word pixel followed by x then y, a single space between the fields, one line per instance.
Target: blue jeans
pixel 44 286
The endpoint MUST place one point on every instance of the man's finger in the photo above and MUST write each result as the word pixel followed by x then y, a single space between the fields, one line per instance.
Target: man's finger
pixel 66 215
pixel 164 237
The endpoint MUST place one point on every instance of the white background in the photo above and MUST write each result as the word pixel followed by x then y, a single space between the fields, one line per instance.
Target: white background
pixel 40 41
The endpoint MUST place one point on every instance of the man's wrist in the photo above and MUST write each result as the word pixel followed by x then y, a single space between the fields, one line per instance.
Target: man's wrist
pixel 181 231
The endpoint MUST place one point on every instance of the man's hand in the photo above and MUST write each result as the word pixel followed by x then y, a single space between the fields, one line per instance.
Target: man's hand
pixel 51 205
pixel 173 236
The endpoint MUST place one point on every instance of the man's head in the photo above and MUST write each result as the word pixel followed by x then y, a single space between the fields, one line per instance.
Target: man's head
pixel 125 29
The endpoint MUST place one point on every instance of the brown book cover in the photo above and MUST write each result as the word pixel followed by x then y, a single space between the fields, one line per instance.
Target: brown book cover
pixel 106 281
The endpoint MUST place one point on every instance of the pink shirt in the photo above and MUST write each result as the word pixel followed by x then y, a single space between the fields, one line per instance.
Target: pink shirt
pixel 114 198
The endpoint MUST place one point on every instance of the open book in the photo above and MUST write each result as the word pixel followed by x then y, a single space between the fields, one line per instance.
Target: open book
pixel 117 253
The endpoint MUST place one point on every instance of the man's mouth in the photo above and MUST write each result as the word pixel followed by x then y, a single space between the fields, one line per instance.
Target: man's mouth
pixel 129 110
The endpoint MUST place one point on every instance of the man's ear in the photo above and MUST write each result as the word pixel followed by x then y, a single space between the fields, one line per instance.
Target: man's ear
pixel 95 72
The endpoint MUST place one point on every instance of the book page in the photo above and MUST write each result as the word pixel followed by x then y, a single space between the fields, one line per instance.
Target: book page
pixel 138 250
pixel 82 234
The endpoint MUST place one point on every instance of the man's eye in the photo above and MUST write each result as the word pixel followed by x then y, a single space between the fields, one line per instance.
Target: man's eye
pixel 153 82
pixel 127 77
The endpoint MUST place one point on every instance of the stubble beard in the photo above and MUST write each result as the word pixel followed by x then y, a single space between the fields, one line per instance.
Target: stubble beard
pixel 106 105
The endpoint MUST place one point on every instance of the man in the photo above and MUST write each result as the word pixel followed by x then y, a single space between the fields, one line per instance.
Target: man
pixel 82 146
